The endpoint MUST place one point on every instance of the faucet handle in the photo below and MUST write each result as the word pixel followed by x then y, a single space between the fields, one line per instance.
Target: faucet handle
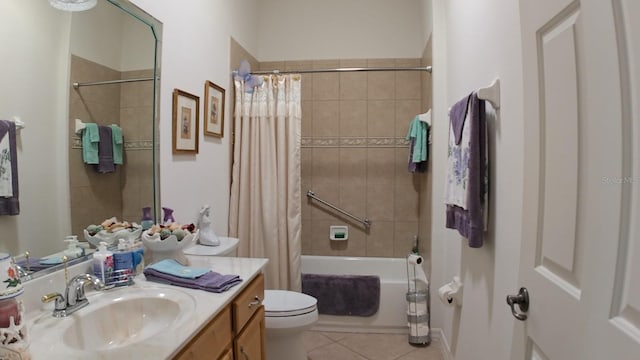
pixel 60 303
pixel 75 287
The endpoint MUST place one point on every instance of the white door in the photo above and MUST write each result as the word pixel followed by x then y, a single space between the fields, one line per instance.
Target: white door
pixel 580 258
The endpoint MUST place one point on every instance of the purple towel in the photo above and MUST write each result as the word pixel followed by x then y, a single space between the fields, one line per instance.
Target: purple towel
pixel 211 281
pixel 34 264
pixel 415 167
pixel 11 205
pixel 458 114
pixel 470 223
pixel 105 150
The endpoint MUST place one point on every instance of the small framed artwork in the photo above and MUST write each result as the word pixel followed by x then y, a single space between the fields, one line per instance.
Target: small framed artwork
pixel 213 109
pixel 186 118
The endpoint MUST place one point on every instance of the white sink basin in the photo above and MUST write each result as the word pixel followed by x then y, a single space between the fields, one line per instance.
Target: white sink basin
pixel 121 317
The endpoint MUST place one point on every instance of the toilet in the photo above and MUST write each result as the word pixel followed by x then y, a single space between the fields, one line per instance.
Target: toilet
pixel 287 315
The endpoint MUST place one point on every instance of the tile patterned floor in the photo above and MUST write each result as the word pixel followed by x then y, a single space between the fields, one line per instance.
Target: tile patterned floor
pixel 352 346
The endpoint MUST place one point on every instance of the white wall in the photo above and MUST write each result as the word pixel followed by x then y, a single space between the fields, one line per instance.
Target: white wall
pixel 108 36
pixel 195 48
pixel 33 85
pixel 337 29
pixel 95 42
pixel 427 19
pixel 475 42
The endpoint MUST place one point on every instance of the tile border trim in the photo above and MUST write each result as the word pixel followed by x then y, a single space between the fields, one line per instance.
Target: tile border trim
pixel 316 142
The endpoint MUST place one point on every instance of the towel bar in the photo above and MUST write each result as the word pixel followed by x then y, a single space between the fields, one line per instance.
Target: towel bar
pixel 366 222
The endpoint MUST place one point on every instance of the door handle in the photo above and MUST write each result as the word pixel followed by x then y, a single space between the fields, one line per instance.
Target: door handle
pixel 522 300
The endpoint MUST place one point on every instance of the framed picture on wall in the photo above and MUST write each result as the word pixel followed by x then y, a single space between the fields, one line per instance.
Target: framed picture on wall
pixel 186 118
pixel 213 109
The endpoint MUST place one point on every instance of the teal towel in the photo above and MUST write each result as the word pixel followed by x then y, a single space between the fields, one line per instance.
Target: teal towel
pixel 90 140
pixel 418 131
pixel 51 260
pixel 116 134
pixel 172 267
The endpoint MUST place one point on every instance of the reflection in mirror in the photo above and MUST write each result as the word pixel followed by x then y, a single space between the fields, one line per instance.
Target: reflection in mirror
pixel 108 46
pixel 51 49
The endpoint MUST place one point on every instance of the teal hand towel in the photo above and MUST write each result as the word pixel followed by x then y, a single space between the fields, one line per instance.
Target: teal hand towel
pixel 51 260
pixel 172 267
pixel 418 131
pixel 90 140
pixel 116 134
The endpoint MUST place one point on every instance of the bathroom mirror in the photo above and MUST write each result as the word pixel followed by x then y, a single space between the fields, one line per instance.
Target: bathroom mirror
pixel 44 52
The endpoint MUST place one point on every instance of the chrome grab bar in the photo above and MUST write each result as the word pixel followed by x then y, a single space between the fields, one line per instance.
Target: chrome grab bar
pixel 366 222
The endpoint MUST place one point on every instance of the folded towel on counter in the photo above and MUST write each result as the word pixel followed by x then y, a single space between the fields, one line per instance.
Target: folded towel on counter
pixel 51 260
pixel 9 203
pixel 116 133
pixel 105 150
pixel 211 281
pixel 34 264
pixel 174 268
pixel 90 140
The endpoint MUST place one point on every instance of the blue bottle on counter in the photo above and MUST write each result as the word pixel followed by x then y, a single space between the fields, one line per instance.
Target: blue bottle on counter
pixel 123 264
pixel 103 264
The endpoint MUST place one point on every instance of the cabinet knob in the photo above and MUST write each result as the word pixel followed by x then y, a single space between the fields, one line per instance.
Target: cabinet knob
pixel 256 301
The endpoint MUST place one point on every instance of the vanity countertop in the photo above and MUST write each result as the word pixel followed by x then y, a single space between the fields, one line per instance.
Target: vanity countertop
pixel 47 342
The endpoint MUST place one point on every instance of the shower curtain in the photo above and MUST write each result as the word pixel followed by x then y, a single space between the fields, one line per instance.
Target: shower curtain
pixel 265 208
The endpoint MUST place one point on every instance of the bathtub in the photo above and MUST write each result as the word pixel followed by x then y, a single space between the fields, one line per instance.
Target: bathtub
pixel 392 314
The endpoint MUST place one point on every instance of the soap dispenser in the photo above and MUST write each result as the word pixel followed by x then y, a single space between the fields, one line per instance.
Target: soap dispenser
pixel 103 264
pixel 73 251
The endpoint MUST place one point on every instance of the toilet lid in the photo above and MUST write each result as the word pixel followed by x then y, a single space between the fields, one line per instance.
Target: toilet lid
pixel 287 303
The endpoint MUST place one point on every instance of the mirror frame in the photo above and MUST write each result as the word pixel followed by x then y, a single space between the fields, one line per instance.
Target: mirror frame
pixel 155 27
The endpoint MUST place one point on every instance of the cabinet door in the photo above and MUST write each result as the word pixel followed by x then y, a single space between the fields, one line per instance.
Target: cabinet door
pixel 228 355
pixel 211 341
pixel 249 345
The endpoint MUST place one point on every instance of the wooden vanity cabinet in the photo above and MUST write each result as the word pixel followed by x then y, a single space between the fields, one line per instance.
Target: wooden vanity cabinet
pixel 212 341
pixel 249 344
pixel 237 332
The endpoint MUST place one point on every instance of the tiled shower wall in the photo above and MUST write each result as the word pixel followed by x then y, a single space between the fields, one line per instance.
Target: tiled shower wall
pixel 94 196
pixel 354 155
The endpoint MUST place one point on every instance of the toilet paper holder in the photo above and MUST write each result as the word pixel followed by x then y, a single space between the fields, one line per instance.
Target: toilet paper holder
pixel 451 293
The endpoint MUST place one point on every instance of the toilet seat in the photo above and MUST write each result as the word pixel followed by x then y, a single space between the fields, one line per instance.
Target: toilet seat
pixel 282 303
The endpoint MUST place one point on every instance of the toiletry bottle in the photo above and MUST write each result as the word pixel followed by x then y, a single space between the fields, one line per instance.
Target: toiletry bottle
pixel 146 221
pixel 103 264
pixel 168 216
pixel 137 252
pixel 73 251
pixel 123 264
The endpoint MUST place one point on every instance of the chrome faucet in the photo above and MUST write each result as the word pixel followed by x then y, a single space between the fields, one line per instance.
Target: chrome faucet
pixel 73 299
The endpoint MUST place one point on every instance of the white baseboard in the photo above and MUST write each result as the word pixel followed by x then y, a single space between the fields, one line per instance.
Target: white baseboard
pixel 438 335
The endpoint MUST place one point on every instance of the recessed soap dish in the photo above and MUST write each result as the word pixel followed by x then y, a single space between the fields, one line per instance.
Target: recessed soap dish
pixel 338 232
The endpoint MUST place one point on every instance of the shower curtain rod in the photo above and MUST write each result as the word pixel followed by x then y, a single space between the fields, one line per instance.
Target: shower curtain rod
pixel 109 82
pixel 268 72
